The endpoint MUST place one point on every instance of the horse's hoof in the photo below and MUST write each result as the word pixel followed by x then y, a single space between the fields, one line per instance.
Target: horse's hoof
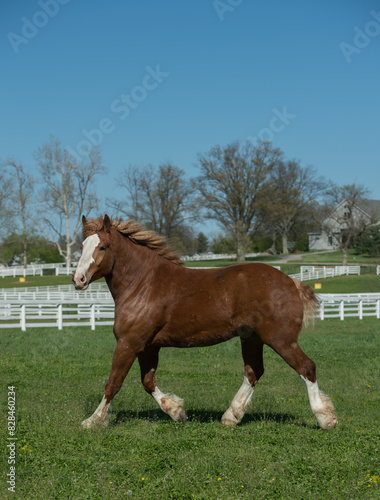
pixel 331 424
pixel 182 416
pixel 86 424
pixel 228 423
pixel 94 422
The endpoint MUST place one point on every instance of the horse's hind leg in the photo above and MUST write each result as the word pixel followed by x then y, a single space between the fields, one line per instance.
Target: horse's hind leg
pixel 169 403
pixel 252 350
pixel 320 403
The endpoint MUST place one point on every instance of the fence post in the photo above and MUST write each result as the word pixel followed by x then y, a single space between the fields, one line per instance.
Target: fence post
pixel 23 318
pixel 341 310
pixel 378 309
pixel 59 317
pixel 360 309
pixel 322 311
pixel 92 316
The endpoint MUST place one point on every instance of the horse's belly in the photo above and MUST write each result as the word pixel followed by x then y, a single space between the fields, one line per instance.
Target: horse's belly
pixel 201 338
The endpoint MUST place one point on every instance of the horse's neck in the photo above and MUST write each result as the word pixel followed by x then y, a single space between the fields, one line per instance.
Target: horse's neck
pixel 130 266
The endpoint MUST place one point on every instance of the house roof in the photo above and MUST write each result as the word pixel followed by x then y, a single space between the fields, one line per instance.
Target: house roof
pixel 371 207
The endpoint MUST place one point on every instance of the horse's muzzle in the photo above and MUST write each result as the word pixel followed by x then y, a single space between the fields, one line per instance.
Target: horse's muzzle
pixel 80 282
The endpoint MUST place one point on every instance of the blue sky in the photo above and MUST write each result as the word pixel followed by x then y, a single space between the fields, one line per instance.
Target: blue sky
pixel 192 75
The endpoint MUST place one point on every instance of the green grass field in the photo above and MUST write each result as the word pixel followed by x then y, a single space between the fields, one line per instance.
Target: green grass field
pixel 277 452
pixel 336 258
pixel 349 284
pixel 32 281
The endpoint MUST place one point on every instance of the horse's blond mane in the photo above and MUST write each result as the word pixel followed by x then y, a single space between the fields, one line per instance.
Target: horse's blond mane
pixel 135 232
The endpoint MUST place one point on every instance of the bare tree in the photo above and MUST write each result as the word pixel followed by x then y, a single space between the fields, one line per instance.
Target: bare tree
pixel 21 199
pixel 230 186
pixel 343 217
pixel 161 198
pixel 287 197
pixel 65 194
pixel 6 193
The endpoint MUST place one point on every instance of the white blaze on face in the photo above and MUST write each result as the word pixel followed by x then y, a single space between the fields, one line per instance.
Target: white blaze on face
pixel 87 258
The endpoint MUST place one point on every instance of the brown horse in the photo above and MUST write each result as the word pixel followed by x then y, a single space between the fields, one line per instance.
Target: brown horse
pixel 161 303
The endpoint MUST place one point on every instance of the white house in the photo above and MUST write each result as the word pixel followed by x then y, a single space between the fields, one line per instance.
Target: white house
pixel 365 213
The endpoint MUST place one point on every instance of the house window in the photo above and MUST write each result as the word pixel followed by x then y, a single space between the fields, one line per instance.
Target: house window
pixel 329 241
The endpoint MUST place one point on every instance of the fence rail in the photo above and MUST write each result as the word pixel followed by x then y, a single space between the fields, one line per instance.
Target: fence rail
pixel 349 305
pixel 215 256
pixel 308 273
pixel 35 270
pixel 32 314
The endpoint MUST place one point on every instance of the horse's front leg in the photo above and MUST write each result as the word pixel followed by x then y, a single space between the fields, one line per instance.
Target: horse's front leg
pixel 123 358
pixel 169 403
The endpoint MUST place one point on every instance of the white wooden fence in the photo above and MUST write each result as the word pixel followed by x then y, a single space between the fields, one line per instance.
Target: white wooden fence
pixel 56 306
pixel 43 314
pixel 35 270
pixel 347 305
pixel 308 273
pixel 92 312
pixel 214 256
pixel 62 293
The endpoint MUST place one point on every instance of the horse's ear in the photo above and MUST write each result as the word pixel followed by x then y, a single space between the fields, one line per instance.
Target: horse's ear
pixel 107 223
pixel 84 220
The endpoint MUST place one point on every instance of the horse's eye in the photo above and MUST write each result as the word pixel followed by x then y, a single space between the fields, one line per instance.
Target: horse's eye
pixel 102 249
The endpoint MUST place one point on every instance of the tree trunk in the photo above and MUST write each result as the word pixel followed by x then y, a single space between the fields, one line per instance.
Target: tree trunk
pixel 241 242
pixel 240 254
pixel 68 243
pixel 285 250
pixel 344 253
pixel 273 247
pixel 25 254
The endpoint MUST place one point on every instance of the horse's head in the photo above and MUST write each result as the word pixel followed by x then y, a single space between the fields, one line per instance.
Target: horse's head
pixel 96 259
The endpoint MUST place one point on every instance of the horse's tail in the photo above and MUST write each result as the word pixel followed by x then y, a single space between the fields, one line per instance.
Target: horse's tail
pixel 309 300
